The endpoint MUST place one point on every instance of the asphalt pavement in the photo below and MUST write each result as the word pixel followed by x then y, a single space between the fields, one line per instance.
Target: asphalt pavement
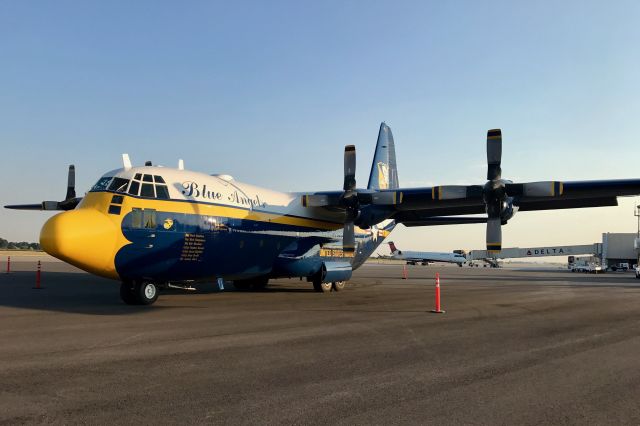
pixel 514 347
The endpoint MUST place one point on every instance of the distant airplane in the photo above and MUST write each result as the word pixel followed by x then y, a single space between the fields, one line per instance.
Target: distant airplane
pixel 153 227
pixel 425 257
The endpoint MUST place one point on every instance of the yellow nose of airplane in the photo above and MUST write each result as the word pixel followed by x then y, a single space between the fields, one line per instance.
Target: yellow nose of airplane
pixel 85 238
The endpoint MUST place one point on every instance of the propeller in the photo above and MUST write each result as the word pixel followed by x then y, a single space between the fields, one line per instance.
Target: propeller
pixel 494 192
pixel 69 203
pixel 500 196
pixel 351 200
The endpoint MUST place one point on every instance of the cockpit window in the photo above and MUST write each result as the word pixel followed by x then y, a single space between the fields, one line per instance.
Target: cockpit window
pixel 102 184
pixel 134 189
pixel 147 190
pixel 119 185
pixel 148 186
pixel 162 192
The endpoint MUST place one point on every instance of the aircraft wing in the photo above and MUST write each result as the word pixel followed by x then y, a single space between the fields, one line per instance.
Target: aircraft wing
pixel 457 200
pixel 420 218
pixel 38 206
pixel 68 204
pixel 498 198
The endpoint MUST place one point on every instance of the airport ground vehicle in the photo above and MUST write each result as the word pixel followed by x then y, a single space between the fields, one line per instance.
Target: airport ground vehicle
pixel 579 268
pixel 578 265
pixel 638 272
pixel 620 267
pixel 594 269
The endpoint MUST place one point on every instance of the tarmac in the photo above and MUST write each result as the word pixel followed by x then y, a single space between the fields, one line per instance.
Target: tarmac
pixel 515 346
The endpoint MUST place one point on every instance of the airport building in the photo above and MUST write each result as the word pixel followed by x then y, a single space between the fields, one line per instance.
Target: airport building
pixel 615 249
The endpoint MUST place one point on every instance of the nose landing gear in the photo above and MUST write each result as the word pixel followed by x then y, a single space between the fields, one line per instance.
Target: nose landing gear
pixel 138 292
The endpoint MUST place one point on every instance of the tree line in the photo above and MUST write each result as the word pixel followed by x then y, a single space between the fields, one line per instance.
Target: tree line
pixel 22 245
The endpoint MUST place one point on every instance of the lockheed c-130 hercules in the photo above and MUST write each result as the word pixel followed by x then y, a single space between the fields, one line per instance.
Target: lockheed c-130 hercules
pixel 151 227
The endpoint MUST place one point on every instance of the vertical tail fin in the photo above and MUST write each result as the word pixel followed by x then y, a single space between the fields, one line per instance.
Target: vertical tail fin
pixel 384 172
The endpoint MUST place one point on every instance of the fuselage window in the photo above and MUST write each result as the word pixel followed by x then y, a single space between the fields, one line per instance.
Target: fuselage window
pixel 136 218
pixel 158 179
pixel 119 185
pixel 149 218
pixel 147 190
pixel 102 184
pixel 214 223
pixel 134 188
pixel 147 178
pixel 162 192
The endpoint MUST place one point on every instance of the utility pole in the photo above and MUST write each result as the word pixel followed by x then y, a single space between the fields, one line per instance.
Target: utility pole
pixel 637 242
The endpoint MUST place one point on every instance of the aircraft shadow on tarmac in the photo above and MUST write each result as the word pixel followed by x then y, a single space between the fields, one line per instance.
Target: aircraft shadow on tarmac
pixel 83 293
pixel 63 292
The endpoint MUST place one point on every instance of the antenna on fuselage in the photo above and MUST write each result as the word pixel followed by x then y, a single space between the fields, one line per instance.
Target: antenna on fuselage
pixel 180 164
pixel 126 161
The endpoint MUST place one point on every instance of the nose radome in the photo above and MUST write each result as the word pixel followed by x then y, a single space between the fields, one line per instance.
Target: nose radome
pixel 85 238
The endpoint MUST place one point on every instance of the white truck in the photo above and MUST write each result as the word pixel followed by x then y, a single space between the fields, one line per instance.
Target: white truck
pixel 578 264
pixel 638 272
pixel 587 264
pixel 620 267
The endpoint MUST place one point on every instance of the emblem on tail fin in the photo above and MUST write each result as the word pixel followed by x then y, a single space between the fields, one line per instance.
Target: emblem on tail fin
pixel 383 175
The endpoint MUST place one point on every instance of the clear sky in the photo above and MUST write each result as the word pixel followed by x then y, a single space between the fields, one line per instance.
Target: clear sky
pixel 270 92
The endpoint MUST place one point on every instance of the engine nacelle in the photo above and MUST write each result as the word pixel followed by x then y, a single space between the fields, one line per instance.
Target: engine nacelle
pixel 335 271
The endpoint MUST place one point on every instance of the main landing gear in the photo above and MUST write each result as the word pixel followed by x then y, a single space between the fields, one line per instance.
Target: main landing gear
pixel 138 292
pixel 321 287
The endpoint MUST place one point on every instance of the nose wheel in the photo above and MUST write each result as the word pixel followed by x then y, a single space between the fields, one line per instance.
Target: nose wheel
pixel 138 292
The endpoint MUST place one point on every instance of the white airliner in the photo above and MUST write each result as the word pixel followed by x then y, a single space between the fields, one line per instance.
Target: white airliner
pixel 425 257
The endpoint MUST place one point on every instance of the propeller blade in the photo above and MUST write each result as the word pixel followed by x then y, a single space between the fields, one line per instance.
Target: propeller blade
pixel 494 235
pixel 536 189
pixel 71 183
pixel 349 237
pixel 494 154
pixel 454 192
pixel 349 168
pixel 38 206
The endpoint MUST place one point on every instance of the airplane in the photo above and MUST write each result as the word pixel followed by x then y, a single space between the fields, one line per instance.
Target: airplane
pixel 153 227
pixel 425 257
